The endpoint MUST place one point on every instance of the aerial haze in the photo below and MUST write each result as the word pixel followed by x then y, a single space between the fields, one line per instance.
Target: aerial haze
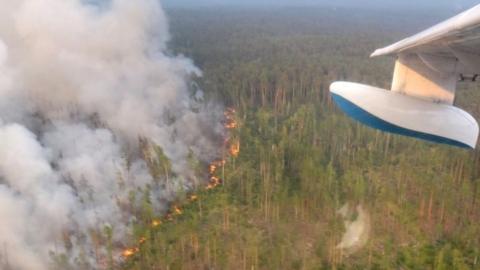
pixel 444 4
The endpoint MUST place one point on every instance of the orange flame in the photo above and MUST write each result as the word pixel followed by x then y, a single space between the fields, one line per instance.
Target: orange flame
pixel 214 179
pixel 235 148
pixel 230 119
pixel 130 252
pixel 177 210
pixel 156 223
pixel 231 125
pixel 215 165
pixel 212 168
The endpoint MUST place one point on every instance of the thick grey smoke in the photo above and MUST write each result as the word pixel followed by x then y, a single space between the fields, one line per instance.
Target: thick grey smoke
pixel 80 83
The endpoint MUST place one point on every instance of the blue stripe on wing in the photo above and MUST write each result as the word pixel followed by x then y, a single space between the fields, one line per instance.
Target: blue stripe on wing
pixel 371 120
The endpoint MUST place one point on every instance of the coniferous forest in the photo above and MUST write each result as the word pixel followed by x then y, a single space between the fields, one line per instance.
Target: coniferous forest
pixel 305 172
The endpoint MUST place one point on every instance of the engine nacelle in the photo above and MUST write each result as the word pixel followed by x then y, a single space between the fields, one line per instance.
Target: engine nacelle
pixel 405 115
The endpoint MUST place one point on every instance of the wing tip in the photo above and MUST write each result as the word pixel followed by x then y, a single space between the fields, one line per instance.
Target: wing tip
pixel 376 53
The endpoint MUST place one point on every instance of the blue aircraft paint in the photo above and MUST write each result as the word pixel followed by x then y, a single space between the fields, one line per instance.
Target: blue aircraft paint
pixel 371 120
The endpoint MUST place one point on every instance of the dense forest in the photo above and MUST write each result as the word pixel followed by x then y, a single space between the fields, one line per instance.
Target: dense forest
pixel 301 159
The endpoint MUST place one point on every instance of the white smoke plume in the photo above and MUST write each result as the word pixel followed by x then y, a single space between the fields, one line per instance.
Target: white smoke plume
pixel 357 225
pixel 80 82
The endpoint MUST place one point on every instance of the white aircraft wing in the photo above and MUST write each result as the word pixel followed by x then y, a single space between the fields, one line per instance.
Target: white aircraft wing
pixel 431 62
pixel 420 103
pixel 460 34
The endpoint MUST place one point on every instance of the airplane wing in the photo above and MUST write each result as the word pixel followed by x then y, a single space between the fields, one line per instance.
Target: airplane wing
pixel 427 69
pixel 430 63
pixel 458 34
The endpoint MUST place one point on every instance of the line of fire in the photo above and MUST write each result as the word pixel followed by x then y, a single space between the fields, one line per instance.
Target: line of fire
pixel 233 147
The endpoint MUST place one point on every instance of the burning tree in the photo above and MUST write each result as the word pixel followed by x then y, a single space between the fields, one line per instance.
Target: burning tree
pixel 161 161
